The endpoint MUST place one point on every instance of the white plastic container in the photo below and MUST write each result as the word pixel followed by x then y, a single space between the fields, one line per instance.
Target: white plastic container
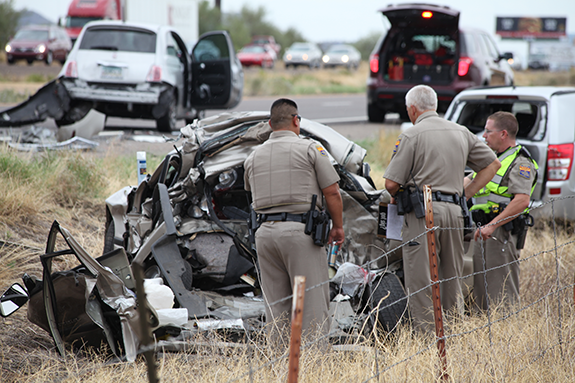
pixel 142 166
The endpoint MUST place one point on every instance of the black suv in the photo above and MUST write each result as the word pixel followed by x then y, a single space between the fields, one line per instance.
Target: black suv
pixel 426 46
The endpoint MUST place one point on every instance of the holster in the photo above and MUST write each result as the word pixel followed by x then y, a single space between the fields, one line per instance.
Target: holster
pixel 317 224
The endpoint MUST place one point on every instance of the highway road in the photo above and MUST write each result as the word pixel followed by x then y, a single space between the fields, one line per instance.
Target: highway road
pixel 344 113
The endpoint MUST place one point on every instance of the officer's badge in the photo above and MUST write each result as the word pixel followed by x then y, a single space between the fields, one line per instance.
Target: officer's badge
pixel 525 171
pixel 396 145
pixel 321 150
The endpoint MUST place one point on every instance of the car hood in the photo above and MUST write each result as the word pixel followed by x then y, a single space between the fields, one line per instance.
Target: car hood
pixel 218 130
pixel 92 63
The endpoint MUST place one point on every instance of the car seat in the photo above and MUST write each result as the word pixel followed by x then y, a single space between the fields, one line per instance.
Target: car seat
pixel 526 122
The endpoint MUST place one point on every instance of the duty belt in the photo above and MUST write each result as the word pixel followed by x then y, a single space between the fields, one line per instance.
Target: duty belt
pixel 441 197
pixel 282 217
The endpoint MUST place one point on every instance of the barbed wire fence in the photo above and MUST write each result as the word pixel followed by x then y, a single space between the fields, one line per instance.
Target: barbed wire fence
pixel 561 289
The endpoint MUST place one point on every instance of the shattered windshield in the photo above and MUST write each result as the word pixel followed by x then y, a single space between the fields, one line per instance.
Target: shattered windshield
pixel 119 39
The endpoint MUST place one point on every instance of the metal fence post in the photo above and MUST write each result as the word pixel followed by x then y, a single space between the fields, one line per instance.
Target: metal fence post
pixel 434 273
pixel 296 324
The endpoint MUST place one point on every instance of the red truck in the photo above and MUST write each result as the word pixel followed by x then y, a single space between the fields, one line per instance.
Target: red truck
pixel 82 11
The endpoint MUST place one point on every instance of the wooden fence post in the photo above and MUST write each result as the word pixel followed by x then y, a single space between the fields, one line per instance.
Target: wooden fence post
pixel 296 324
pixel 434 273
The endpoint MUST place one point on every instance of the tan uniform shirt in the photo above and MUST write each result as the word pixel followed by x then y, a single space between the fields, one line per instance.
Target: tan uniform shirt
pixel 285 171
pixel 519 178
pixel 435 152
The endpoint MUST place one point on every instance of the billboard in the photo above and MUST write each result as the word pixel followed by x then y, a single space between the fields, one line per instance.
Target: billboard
pixel 531 27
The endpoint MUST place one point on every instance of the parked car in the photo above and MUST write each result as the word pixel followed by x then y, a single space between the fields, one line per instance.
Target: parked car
pixel 307 54
pixel 258 55
pixel 341 55
pixel 546 128
pixel 39 43
pixel 266 41
pixel 425 45
pixel 144 71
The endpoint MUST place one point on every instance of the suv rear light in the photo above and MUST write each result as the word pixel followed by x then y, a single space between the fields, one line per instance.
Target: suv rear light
pixel 374 63
pixel 464 64
pixel 155 74
pixel 427 14
pixel 559 160
pixel 71 70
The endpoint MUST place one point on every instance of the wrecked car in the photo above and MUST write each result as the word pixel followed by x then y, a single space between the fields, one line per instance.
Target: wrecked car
pixel 137 71
pixel 186 225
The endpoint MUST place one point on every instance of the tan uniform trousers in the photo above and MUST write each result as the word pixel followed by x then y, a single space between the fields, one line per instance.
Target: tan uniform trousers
pixel 284 252
pixel 449 247
pixel 502 282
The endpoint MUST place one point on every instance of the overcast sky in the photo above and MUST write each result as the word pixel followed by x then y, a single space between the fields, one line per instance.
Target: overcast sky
pixel 350 20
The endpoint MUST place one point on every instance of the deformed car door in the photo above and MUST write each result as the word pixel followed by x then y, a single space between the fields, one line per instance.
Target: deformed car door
pixel 217 75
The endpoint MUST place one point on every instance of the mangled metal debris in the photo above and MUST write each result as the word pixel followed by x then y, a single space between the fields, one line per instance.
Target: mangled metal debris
pixel 187 224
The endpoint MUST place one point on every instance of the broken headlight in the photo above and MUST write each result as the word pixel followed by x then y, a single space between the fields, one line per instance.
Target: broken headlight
pixel 226 180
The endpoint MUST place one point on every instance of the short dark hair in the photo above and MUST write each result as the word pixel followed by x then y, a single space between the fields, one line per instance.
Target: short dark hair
pixel 281 112
pixel 505 121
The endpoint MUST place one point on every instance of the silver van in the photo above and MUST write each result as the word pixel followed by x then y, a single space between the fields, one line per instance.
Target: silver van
pixel 546 117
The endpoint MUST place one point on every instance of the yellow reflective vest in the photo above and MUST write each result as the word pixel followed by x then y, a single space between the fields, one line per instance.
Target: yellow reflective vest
pixel 493 194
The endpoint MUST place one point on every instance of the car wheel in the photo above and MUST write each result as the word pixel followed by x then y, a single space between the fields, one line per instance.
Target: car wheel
pixel 375 114
pixel 30 61
pixel 384 290
pixel 167 123
pixel 63 60
pixel 10 60
pixel 199 115
pixel 49 58
pixel 403 116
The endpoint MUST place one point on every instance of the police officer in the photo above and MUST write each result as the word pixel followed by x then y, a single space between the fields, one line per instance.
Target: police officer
pixel 435 152
pixel 498 208
pixel 283 174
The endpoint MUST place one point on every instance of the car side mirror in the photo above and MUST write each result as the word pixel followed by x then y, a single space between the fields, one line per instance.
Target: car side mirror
pixel 506 56
pixel 12 299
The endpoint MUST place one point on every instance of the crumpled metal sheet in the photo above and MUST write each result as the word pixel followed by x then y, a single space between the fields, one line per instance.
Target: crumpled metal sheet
pixel 115 294
pixel 74 143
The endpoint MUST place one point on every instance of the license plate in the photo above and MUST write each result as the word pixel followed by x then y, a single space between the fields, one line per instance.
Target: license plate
pixel 111 73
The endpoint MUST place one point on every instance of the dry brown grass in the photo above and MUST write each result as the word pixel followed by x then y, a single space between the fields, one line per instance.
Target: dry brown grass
pixel 534 344
pixel 530 78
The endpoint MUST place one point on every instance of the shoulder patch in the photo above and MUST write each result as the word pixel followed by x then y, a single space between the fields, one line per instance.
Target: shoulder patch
pixel 321 150
pixel 525 171
pixel 396 145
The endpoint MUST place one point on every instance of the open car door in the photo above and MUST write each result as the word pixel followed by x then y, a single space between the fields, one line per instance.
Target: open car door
pixel 217 75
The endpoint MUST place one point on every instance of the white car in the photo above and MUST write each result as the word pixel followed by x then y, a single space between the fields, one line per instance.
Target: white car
pixel 546 120
pixel 341 55
pixel 144 71
pixel 307 54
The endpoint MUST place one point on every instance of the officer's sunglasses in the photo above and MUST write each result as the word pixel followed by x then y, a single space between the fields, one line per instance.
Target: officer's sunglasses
pixel 298 117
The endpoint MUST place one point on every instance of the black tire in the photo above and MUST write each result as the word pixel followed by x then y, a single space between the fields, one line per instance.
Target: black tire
pixel 63 61
pixel 199 115
pixel 403 116
pixel 167 123
pixel 49 58
pixel 388 317
pixel 10 61
pixel 375 114
pixel 109 238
